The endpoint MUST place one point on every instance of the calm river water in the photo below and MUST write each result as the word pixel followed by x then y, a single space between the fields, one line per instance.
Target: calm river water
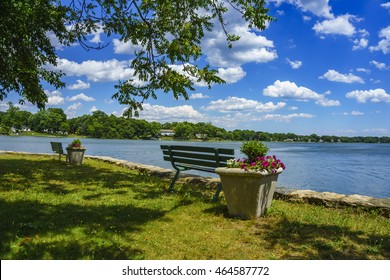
pixel 333 167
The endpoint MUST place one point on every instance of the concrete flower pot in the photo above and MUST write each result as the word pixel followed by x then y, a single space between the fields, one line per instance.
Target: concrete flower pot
pixel 75 155
pixel 248 194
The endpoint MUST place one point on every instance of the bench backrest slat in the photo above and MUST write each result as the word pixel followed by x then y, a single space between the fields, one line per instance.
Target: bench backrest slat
pixel 203 156
pixel 198 149
pixel 197 156
pixel 195 162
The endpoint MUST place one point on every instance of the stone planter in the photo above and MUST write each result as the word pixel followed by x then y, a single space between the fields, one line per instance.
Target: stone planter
pixel 75 155
pixel 248 194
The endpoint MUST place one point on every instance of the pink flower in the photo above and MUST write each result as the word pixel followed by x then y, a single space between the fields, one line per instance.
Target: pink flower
pixel 268 163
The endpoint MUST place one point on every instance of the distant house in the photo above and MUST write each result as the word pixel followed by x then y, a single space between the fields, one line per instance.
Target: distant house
pixel 201 136
pixel 167 132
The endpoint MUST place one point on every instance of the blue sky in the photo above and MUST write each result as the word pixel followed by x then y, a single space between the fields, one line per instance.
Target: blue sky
pixel 323 67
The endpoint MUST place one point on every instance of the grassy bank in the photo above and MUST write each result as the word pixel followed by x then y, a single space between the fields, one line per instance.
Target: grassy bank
pixel 42 134
pixel 50 210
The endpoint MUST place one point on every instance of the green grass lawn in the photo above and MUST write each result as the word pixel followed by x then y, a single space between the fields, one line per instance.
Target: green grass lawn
pixel 50 210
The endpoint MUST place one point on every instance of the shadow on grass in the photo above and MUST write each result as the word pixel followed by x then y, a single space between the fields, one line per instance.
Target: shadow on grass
pixel 325 242
pixel 289 239
pixel 56 174
pixel 70 231
pixel 31 227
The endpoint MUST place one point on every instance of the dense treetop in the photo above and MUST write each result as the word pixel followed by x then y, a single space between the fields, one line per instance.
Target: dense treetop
pixel 167 34
pixel 101 125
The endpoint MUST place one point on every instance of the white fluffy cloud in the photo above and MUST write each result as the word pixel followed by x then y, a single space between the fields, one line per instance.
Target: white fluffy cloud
pixel 340 25
pixel 235 104
pixel 287 89
pixel 54 97
pixel 96 35
pixel 361 43
pixel 286 118
pixel 323 102
pixel 121 47
pixel 198 95
pixel 386 5
pixel 319 8
pixel 357 113
pixel 231 75
pixel 334 76
pixel 169 114
pixel 384 44
pixel 79 85
pixel 97 71
pixel 74 106
pixel 331 24
pixel 353 113
pixel 71 110
pixel 290 90
pixel 250 47
pixel 296 64
pixel 379 65
pixel 365 70
pixel 93 109
pixel 373 95
pixel 54 40
pixel 80 96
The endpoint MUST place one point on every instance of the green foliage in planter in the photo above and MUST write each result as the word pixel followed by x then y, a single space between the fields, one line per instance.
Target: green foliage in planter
pixel 253 149
pixel 75 143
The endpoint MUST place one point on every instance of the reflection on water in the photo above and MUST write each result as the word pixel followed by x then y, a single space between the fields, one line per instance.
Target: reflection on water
pixel 336 167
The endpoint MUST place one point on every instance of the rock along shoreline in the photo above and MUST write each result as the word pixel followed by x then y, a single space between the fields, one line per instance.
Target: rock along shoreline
pixel 327 199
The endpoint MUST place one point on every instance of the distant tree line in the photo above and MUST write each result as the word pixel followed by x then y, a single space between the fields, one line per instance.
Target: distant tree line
pixel 100 125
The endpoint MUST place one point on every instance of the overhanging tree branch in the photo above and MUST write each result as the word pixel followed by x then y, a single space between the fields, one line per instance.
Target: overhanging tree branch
pixel 167 32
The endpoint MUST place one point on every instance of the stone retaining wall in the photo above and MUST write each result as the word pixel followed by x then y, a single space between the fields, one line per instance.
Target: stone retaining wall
pixel 327 199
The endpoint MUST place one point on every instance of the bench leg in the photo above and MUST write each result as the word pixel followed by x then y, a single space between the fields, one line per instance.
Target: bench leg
pixel 219 189
pixel 174 180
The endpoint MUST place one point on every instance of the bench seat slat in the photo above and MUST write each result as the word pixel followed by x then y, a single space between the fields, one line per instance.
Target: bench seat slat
pixel 196 167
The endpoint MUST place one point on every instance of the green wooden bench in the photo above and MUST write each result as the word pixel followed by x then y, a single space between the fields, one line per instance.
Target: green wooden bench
pixel 198 158
pixel 57 148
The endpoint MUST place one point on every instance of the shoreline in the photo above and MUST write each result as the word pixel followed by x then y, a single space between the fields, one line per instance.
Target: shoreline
pixel 326 199
pixel 73 136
